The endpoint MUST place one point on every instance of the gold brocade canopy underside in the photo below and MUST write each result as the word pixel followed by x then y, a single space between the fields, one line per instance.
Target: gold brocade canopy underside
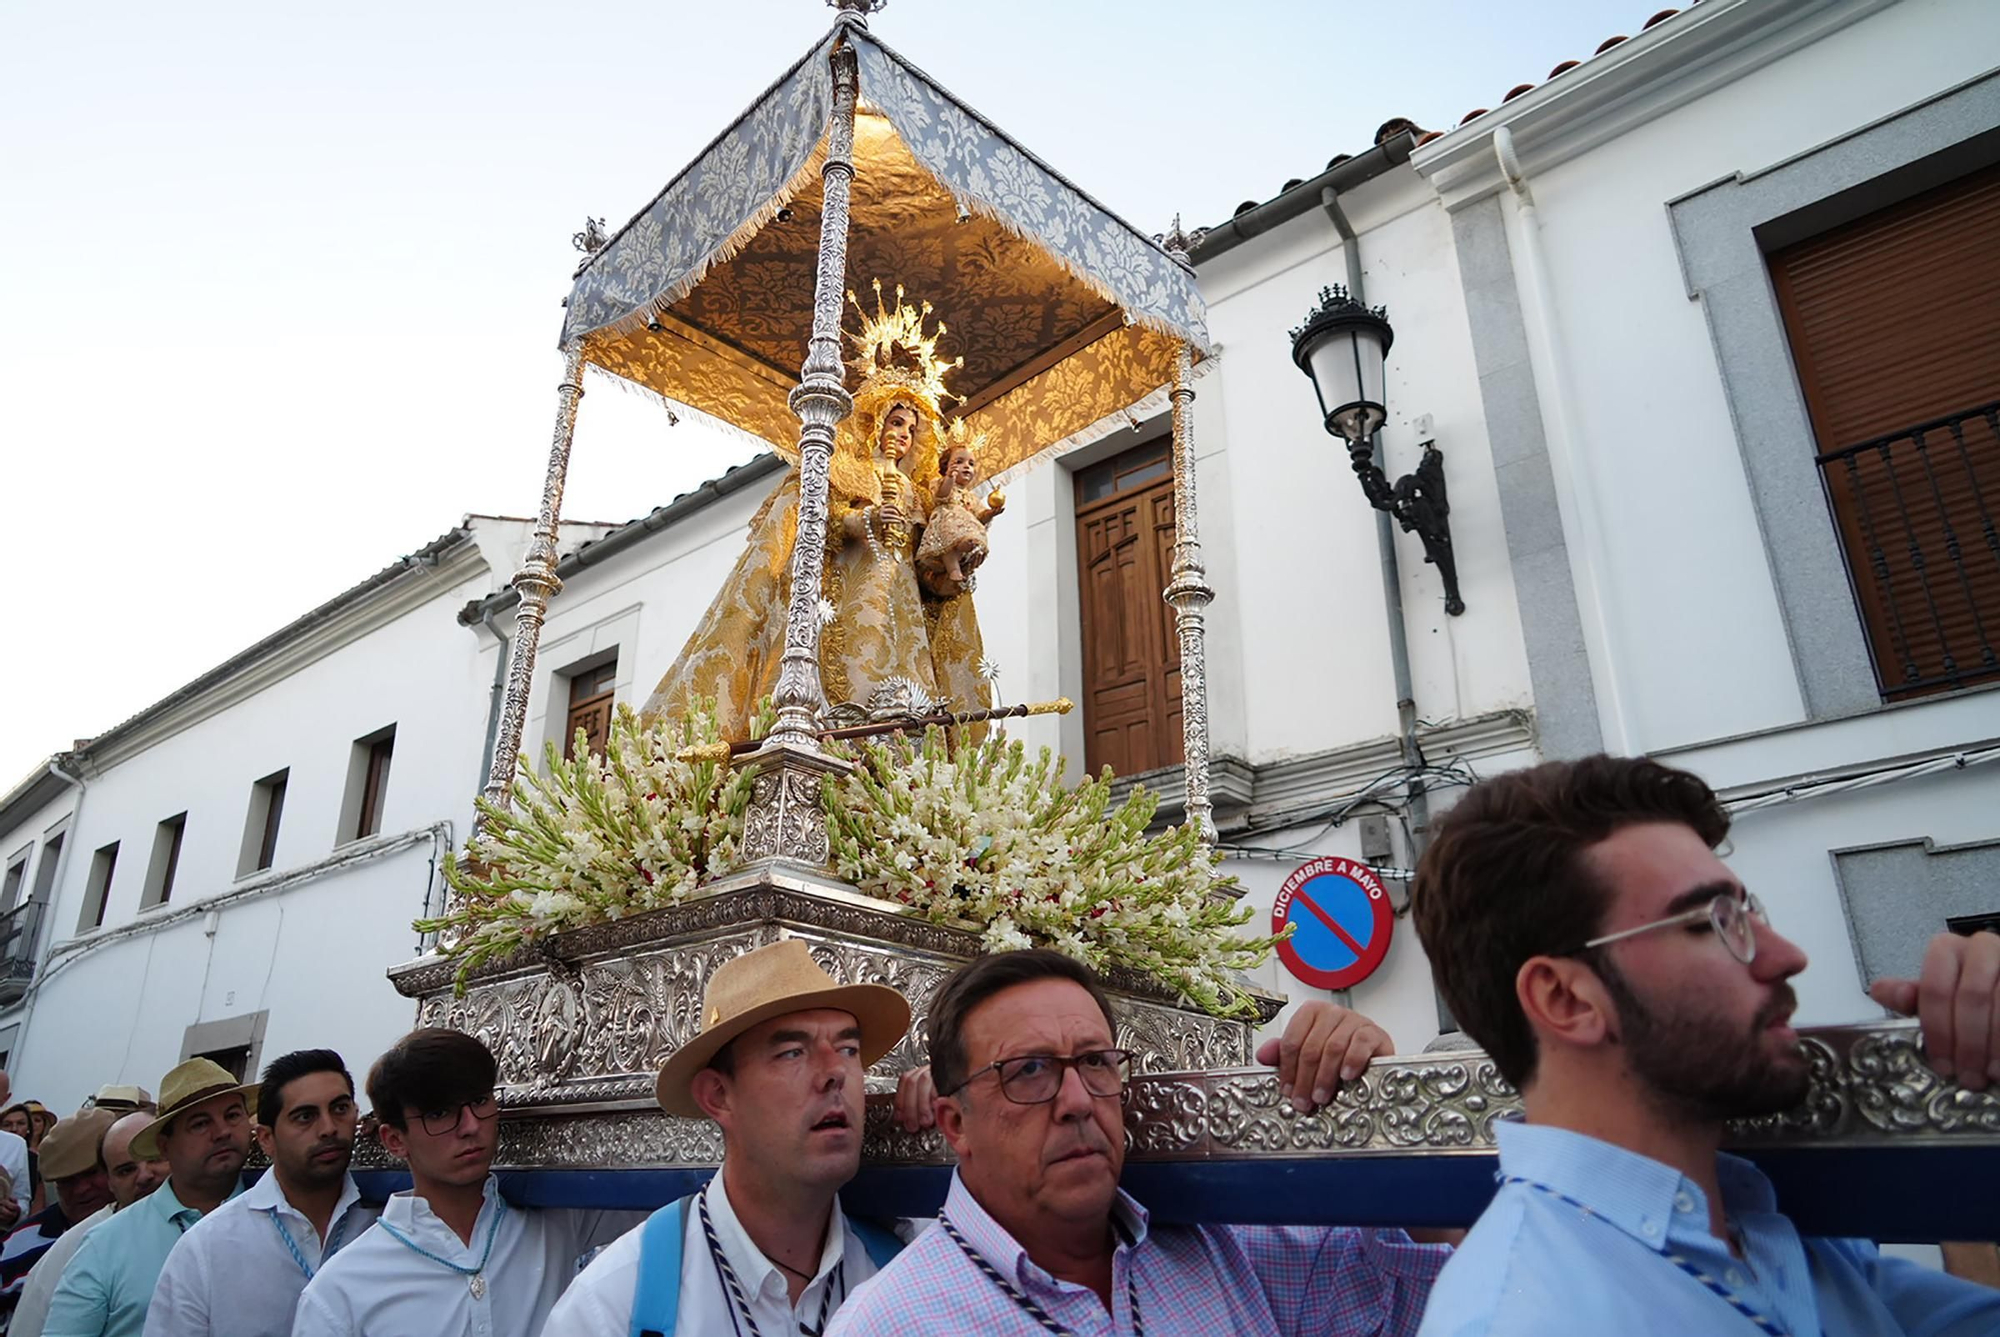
pixel 1066 316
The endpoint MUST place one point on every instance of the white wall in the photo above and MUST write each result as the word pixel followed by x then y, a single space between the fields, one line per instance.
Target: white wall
pixel 1692 613
pixel 1316 670
pixel 114 1004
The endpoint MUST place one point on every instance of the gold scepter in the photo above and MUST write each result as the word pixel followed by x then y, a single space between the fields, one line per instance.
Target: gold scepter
pixel 1062 705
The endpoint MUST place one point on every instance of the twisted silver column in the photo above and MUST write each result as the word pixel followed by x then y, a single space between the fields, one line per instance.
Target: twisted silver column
pixel 821 401
pixel 537 582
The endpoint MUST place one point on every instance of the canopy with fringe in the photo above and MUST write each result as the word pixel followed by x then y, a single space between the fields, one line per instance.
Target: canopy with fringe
pixel 1067 316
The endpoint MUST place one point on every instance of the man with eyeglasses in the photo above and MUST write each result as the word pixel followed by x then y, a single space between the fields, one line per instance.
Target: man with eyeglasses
pixel 1036 1237
pixel 1583 930
pixel 450 1257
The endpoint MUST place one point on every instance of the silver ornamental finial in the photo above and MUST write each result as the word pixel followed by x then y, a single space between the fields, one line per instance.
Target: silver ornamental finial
pixel 857 11
pixel 592 239
pixel 1177 243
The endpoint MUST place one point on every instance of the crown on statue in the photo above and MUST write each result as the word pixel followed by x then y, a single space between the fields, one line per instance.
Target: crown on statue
pixel 961 435
pixel 897 358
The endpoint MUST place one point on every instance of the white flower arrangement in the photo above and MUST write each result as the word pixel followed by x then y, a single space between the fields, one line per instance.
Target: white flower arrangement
pixel 979 833
pixel 595 838
pixel 957 832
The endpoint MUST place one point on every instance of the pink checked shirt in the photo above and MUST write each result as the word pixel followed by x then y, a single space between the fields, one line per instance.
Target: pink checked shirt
pixel 1192 1281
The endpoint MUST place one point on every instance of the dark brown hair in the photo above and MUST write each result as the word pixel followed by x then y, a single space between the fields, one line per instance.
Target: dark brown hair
pixel 429 1069
pixel 1504 880
pixel 976 983
pixel 285 1069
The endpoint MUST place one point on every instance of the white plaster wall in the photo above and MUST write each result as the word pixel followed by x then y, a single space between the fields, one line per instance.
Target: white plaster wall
pixel 1692 615
pixel 313 954
pixel 1313 649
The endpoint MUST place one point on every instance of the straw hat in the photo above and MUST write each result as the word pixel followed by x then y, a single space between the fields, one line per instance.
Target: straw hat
pixel 192 1082
pixel 72 1146
pixel 123 1098
pixel 767 983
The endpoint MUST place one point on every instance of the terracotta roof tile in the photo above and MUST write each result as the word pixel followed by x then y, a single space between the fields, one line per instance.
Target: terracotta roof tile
pixel 1397 125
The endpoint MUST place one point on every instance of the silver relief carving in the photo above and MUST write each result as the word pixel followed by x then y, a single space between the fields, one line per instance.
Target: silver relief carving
pixel 1429 1105
pixel 536 582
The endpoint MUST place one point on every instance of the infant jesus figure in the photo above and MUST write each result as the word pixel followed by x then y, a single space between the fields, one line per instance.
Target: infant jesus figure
pixel 954 542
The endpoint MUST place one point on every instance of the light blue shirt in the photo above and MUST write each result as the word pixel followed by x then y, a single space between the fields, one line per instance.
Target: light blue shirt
pixel 1588 1246
pixel 105 1289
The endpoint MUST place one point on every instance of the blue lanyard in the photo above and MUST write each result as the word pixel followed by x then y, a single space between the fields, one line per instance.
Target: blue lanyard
pixel 493 1229
pixel 1715 1285
pixel 332 1242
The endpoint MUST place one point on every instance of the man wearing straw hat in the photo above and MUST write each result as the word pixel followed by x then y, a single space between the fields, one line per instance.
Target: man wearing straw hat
pixel 73 1164
pixel 239 1272
pixel 203 1128
pixel 764 1247
pixel 131 1178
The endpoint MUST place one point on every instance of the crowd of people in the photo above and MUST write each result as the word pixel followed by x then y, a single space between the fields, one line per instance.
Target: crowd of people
pixel 1578 922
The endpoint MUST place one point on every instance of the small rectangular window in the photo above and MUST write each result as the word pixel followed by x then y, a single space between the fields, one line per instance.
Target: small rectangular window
pixel 166 862
pixel 590 697
pixel 260 828
pixel 97 891
pixel 17 874
pixel 45 871
pixel 367 784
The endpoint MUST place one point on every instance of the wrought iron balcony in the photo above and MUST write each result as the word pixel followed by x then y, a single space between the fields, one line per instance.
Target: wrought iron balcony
pixel 20 930
pixel 1916 512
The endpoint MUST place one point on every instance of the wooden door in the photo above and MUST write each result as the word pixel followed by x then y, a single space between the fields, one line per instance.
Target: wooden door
pixel 1131 657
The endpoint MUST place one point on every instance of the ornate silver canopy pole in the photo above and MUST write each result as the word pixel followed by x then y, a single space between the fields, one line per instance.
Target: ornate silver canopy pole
pixel 1188 592
pixel 785 820
pixel 537 582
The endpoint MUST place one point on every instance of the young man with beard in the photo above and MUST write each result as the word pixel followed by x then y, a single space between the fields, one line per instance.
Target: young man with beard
pixel 1630 987
pixel 204 1129
pixel 450 1257
pixel 239 1271
pixel 131 1178
pixel 1036 1236
pixel 764 1247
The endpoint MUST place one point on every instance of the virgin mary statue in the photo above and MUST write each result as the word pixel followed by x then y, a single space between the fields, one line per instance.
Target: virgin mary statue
pixel 887 647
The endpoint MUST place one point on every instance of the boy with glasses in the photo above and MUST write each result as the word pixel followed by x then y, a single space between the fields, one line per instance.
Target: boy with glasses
pixel 1581 927
pixel 1036 1236
pixel 450 1257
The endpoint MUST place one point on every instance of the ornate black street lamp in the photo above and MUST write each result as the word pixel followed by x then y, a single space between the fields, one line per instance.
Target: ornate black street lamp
pixel 1342 347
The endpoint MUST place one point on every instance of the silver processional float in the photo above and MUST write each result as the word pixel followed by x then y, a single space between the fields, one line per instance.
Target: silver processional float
pixel 837 693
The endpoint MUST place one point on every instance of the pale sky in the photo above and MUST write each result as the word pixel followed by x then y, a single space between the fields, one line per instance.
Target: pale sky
pixel 280 284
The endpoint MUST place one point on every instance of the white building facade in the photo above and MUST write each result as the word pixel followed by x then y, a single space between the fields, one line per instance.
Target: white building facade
pixel 1585 324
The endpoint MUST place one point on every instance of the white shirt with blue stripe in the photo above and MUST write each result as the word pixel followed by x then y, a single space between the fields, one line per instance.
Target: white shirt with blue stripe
pixel 1587 1237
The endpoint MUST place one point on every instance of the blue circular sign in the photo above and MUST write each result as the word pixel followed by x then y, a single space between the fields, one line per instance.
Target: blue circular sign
pixel 1342 920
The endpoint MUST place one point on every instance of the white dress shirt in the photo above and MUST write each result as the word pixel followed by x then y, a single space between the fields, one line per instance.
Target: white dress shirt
pixel 380 1287
pixel 14 1160
pixel 32 1311
pixel 234 1275
pixel 599 1304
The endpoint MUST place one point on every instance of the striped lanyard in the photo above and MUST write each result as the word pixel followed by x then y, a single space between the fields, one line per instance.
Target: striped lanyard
pixel 1715 1285
pixel 739 1303
pixel 1029 1307
pixel 332 1242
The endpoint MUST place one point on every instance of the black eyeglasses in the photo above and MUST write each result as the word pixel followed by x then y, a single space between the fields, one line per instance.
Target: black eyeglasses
pixel 440 1122
pixel 1034 1079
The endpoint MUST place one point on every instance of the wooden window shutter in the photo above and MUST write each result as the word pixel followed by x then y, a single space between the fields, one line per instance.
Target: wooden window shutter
pixel 1894 323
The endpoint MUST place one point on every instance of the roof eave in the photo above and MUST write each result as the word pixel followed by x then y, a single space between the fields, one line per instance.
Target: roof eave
pixel 1284 207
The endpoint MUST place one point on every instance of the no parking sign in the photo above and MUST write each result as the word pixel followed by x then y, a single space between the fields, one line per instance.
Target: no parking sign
pixel 1344 920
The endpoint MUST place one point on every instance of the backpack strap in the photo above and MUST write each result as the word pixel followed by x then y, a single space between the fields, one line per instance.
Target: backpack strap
pixel 656 1301
pixel 880 1242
